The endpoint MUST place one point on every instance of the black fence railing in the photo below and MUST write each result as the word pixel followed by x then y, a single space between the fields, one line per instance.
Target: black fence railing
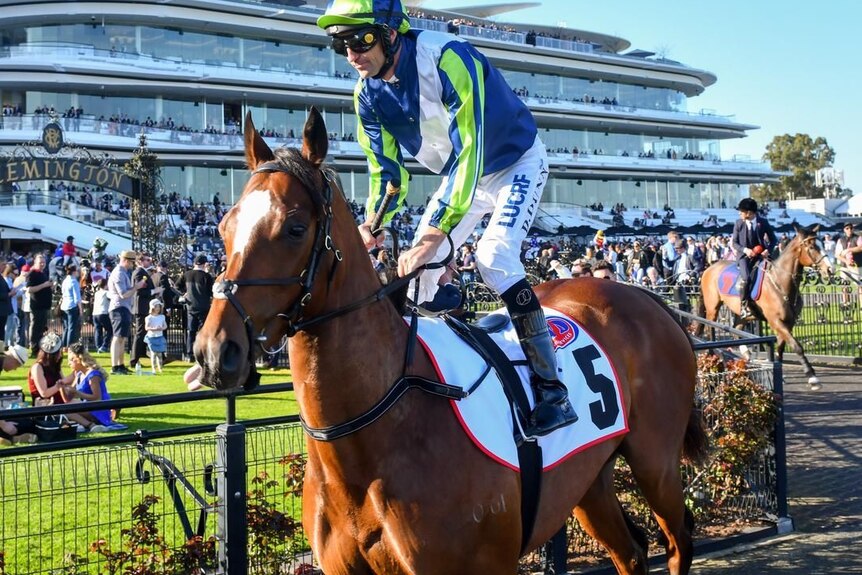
pixel 65 505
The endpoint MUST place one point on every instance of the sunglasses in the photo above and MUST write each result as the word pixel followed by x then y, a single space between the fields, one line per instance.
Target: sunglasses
pixel 360 42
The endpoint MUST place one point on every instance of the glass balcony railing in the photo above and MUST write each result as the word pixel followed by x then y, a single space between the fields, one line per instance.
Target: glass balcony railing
pixel 570 45
pixel 72 55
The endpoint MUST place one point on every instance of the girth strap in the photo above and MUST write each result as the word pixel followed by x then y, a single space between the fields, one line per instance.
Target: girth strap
pixel 529 451
pixel 404 384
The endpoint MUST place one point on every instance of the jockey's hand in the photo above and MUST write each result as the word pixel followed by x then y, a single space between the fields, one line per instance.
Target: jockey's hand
pixel 367 238
pixel 422 253
pixel 748 252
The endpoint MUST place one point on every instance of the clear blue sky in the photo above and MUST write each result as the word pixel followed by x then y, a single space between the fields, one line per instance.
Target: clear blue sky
pixel 788 66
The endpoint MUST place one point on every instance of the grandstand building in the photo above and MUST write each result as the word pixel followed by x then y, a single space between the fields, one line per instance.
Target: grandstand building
pixel 618 123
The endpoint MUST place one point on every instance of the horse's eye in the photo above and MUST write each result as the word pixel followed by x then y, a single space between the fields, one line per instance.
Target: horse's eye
pixel 296 231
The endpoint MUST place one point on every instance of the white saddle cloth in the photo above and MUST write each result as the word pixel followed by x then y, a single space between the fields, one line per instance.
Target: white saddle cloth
pixel 486 415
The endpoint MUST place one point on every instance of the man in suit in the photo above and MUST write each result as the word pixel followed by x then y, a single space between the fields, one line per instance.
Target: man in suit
pixel 141 306
pixel 196 287
pixel 753 238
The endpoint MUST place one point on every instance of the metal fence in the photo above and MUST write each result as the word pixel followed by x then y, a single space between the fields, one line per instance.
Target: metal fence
pixel 830 323
pixel 59 501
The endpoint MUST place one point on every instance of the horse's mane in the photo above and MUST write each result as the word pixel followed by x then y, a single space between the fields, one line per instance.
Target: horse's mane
pixel 291 160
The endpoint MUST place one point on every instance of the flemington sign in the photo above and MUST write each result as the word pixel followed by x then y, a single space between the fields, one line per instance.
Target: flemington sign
pixel 73 165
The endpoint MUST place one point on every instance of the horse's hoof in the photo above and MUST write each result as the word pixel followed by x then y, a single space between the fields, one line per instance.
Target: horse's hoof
pixel 814 383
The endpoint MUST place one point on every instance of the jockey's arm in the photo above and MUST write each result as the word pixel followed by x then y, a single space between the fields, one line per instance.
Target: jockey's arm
pixel 385 164
pixel 464 97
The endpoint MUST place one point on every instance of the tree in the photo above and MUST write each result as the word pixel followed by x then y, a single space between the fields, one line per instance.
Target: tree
pixel 800 155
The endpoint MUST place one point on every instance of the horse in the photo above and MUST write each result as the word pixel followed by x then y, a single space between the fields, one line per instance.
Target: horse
pixel 780 302
pixel 410 493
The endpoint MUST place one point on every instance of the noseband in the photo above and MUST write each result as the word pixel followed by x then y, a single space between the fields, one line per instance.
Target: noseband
pixel 227 288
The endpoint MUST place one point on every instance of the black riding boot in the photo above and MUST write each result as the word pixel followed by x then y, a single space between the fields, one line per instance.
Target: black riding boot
pixel 744 299
pixel 553 409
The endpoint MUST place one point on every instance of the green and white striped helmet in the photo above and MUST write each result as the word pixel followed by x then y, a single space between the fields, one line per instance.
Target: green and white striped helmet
pixel 365 13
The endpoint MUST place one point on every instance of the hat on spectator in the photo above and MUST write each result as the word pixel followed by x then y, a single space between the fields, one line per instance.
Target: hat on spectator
pixel 128 255
pixel 50 343
pixel 848 225
pixel 201 259
pixel 25 268
pixel 19 352
pixel 70 238
pixel 155 302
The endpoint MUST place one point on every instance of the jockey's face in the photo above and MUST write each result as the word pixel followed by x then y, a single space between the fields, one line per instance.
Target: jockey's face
pixel 747 214
pixel 369 63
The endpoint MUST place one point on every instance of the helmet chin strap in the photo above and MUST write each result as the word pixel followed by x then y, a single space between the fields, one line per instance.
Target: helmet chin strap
pixel 389 49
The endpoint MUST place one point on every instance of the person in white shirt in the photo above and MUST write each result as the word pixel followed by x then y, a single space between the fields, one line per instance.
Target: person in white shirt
pixel 98 272
pixel 156 325
pixel 102 330
pixel 70 306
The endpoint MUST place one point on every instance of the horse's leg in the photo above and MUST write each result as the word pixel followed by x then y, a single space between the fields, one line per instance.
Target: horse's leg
pixel 785 336
pixel 710 306
pixel 601 515
pixel 661 483
pixel 779 349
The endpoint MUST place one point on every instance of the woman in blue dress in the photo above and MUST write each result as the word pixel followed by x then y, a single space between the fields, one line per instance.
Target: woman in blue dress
pixel 90 384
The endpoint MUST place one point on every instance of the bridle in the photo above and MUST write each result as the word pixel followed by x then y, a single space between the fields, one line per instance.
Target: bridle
pixel 293 318
pixel 772 269
pixel 227 288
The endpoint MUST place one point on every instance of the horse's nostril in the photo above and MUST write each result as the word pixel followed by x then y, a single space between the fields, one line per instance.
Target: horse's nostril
pixel 231 357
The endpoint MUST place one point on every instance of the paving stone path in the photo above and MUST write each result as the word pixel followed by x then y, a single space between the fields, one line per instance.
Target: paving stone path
pixel 824 460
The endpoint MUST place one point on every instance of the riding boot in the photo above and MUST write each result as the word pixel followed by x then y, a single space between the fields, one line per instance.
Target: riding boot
pixel 744 299
pixel 553 409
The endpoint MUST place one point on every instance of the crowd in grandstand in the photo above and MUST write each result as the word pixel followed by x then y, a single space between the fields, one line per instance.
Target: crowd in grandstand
pixel 30 297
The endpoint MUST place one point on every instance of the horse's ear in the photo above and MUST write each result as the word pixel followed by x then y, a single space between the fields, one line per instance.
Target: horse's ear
pixel 315 141
pixel 799 231
pixel 815 228
pixel 256 150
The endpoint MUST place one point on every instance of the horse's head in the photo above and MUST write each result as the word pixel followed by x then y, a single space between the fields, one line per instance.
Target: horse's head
pixel 280 240
pixel 808 250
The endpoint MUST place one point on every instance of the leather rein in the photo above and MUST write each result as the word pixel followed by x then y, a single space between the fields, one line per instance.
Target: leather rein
pixel 293 317
pixel 772 269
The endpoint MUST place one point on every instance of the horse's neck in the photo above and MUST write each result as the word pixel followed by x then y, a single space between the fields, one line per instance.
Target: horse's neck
pixel 343 366
pixel 790 268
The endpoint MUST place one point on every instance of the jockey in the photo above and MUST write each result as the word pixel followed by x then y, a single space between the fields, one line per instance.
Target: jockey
pixel 752 238
pixel 473 130
pixel 68 251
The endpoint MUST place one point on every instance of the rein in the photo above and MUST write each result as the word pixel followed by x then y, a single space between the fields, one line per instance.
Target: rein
pixel 227 289
pixel 793 275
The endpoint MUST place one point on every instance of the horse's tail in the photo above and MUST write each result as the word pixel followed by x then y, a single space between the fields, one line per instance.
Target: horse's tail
pixel 695 446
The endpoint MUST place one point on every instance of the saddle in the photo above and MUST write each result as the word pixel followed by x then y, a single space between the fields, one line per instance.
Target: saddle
pixel 486 361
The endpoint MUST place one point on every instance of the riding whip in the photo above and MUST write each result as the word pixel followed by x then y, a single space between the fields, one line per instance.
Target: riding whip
pixel 393 188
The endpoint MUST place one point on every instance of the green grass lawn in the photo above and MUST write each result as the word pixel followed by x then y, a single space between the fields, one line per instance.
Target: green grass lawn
pixel 179 414
pixel 58 503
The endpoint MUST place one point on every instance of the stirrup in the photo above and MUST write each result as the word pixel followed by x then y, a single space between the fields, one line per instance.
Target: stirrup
pixel 551 411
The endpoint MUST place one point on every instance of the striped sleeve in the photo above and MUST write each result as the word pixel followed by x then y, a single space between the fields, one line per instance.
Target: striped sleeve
pixel 385 162
pixel 462 77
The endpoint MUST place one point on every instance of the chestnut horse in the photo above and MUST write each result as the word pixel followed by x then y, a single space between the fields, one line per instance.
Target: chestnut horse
pixel 410 493
pixel 780 302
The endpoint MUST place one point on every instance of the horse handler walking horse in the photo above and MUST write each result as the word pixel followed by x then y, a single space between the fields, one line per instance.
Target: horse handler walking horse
pixel 779 301
pixel 402 489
